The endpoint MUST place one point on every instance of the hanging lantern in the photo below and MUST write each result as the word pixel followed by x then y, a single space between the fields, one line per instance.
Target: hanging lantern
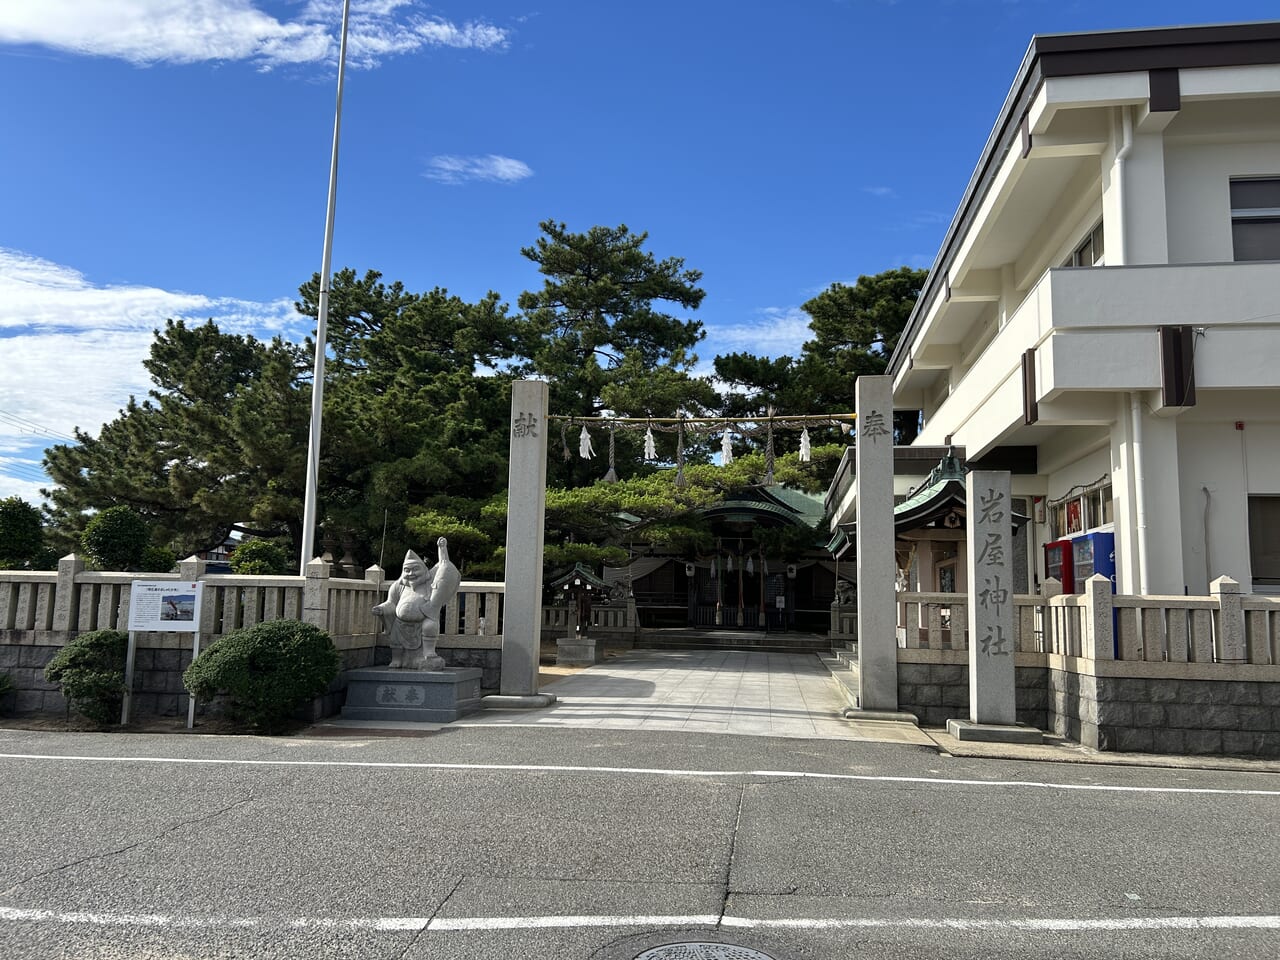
pixel 751 566
pixel 729 565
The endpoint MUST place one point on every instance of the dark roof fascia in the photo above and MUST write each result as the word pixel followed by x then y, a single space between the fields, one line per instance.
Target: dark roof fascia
pixel 583 572
pixel 1082 54
pixel 747 510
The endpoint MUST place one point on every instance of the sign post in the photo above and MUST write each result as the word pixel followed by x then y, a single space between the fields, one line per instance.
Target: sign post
pixel 166 606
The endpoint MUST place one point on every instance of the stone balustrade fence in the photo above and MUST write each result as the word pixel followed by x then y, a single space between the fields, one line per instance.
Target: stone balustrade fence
pixel 1225 627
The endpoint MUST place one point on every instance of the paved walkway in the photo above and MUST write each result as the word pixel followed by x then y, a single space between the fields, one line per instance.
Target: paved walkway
pixel 704 691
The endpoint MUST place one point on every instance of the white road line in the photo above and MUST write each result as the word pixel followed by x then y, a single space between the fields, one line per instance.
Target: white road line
pixel 644 771
pixel 456 924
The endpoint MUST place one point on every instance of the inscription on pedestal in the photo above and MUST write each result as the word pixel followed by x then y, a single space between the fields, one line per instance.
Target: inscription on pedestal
pixel 398 693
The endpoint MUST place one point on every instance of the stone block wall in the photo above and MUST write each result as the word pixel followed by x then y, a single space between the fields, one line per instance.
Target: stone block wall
pixel 31 692
pixel 938 692
pixel 488 660
pixel 1168 714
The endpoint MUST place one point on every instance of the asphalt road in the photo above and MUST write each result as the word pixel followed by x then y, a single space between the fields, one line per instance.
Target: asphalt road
pixel 496 843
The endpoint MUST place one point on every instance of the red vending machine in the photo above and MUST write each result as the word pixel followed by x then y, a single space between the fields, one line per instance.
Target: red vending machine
pixel 1058 564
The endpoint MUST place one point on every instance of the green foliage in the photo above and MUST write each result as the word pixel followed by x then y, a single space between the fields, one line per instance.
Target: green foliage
pixel 466 540
pixel 268 671
pixel 259 557
pixel 416 419
pixel 21 534
pixel 556 556
pixel 855 329
pixel 90 671
pixel 220 441
pixel 158 560
pixel 601 524
pixel 116 539
pixel 598 330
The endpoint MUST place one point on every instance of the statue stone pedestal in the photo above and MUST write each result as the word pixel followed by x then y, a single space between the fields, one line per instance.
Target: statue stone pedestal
pixel 577 652
pixel 437 696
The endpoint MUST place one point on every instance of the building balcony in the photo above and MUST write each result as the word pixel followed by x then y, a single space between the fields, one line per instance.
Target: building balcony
pixel 1093 331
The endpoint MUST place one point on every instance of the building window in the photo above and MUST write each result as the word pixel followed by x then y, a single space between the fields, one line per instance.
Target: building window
pixel 1082 511
pixel 1255 219
pixel 1089 252
pixel 1264 539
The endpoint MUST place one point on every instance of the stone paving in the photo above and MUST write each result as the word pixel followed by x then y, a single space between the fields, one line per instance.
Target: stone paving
pixel 704 691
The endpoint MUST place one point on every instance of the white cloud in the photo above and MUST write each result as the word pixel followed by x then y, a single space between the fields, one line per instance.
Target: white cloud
pixel 192 31
pixel 777 332
pixel 73 350
pixel 887 192
pixel 453 169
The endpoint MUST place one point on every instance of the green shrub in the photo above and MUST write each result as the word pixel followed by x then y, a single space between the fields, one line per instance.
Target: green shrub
pixel 267 671
pixel 158 560
pixel 258 558
pixel 90 671
pixel 116 539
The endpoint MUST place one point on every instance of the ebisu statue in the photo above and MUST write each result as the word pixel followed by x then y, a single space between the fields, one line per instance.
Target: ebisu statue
pixel 411 612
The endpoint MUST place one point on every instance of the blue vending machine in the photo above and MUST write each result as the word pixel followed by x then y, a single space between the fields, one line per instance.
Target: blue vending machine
pixel 1096 553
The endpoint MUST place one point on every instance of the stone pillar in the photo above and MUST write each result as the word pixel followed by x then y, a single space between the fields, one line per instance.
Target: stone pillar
pixel 66 603
pixel 315 594
pixel 1100 641
pixel 192 568
pixel 991 634
pixel 526 510
pixel 1230 646
pixel 877 565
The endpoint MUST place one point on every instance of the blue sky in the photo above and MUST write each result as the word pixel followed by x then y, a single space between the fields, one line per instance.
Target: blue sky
pixel 170 158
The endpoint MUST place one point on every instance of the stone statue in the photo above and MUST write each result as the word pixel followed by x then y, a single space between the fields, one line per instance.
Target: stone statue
pixel 411 612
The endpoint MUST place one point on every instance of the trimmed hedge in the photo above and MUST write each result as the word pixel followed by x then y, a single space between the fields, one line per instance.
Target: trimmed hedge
pixel 90 671
pixel 267 671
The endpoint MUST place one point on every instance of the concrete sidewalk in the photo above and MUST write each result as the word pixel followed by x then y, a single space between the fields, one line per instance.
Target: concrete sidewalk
pixel 705 691
pixel 756 694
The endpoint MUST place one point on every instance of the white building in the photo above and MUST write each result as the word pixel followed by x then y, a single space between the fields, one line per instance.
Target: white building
pixel 1107 300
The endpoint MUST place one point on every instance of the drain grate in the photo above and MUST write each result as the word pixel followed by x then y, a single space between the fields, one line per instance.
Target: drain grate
pixel 702 951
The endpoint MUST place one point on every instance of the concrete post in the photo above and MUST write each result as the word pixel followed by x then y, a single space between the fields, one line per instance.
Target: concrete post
pixel 1099 641
pixel 526 511
pixel 66 603
pixel 877 566
pixel 991 636
pixel 315 594
pixel 192 568
pixel 1230 645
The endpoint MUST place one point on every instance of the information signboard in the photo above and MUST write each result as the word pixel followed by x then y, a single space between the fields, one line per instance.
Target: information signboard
pixel 166 606
pixel 170 606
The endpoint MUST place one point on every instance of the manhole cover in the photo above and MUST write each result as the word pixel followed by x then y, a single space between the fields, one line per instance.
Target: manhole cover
pixel 702 951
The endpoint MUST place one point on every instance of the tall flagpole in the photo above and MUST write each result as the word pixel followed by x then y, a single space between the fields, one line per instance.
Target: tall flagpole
pixel 322 320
